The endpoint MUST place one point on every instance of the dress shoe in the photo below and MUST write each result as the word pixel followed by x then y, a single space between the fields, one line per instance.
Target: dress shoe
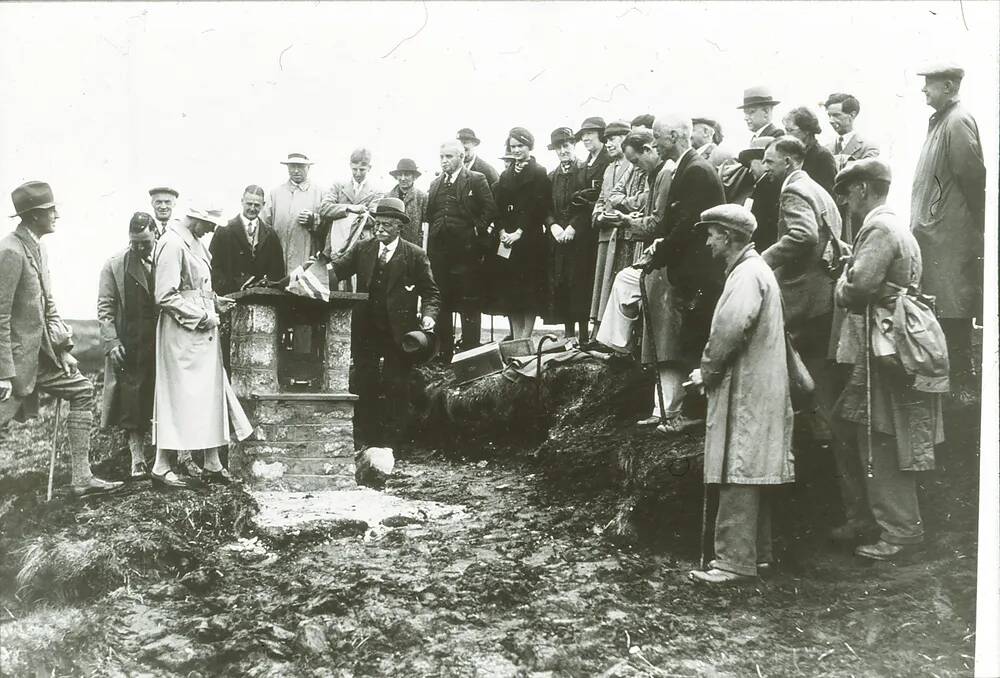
pixel 220 477
pixel 880 550
pixel 170 481
pixel 139 471
pixel 648 421
pixel 190 469
pixel 679 424
pixel 715 576
pixel 94 486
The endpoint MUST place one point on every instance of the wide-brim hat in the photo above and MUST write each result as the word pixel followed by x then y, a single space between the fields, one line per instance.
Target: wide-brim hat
pixel 592 124
pixel 32 195
pixel 419 346
pixel 297 159
pixel 559 136
pixel 869 169
pixel 758 96
pixel 391 207
pixel 164 189
pixel 466 134
pixel 213 216
pixel 405 165
pixel 734 217
pixel 617 128
pixel 755 151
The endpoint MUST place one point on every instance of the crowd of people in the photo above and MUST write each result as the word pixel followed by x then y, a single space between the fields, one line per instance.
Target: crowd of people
pixel 722 271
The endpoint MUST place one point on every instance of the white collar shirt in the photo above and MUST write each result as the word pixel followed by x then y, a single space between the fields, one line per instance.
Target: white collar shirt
pixel 386 251
pixel 251 227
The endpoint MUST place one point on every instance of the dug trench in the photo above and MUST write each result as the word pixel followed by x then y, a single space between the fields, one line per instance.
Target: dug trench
pixel 527 533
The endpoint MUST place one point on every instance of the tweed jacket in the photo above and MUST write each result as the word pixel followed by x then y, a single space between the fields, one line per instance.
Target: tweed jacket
pixel 857 148
pixel 415 202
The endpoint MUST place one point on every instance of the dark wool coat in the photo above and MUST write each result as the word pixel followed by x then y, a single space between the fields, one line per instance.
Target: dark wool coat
pixel 569 265
pixel 234 261
pixel 820 164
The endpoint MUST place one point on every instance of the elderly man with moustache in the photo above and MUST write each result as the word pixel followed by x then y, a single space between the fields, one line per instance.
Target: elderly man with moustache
pixel 748 438
pixel 947 217
pixel 127 315
pixel 162 200
pixel 35 343
pixel 413 198
pixel 293 212
pixel 758 108
pixel 460 209
pixel 472 161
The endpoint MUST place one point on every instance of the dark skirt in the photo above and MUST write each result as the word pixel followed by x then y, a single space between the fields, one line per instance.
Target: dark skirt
pixel 570 280
pixel 517 282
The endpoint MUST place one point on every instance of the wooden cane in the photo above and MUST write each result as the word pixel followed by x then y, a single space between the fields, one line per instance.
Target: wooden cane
pixel 52 457
pixel 868 391
pixel 652 345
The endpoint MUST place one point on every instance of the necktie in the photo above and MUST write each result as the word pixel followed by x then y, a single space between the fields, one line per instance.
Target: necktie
pixel 447 180
pixel 252 234
pixel 839 146
pixel 383 256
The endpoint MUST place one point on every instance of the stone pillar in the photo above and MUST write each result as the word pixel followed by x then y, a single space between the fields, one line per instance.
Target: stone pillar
pixel 254 350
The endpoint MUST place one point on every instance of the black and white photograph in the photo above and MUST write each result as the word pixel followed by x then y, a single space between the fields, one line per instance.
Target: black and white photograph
pixel 500 339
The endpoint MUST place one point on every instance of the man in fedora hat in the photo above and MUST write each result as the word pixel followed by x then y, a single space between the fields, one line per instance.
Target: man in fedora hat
pixel 162 200
pixel 406 174
pixel 706 135
pixel 470 142
pixel 747 183
pixel 35 343
pixel 394 273
pixel 127 315
pixel 293 212
pixel 758 107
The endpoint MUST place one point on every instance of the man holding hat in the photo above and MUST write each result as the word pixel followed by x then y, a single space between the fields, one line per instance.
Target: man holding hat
pixel 35 343
pixel 162 199
pixel 470 142
pixel 706 135
pixel 748 438
pixel 127 315
pixel 193 400
pixel 758 107
pixel 906 422
pixel 293 212
pixel 394 273
pixel 947 216
pixel 413 198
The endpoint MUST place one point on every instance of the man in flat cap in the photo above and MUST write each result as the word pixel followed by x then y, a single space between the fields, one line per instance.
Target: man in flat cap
pixel 35 343
pixel 906 415
pixel 162 199
pixel 706 135
pixel 293 212
pixel 470 142
pixel 413 198
pixel 758 107
pixel 127 315
pixel 947 216
pixel 394 273
pixel 748 438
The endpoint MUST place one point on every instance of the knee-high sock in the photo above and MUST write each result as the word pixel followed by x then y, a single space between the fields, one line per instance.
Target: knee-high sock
pixel 78 423
pixel 136 447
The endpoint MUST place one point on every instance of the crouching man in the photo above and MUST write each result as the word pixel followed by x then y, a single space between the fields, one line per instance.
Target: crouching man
pixel 748 441
pixel 35 344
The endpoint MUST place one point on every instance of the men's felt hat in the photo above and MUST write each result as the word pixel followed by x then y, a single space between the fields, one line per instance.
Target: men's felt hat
pixel 869 169
pixel 758 96
pixel 559 136
pixel 733 217
pixel 140 221
pixel 419 346
pixel 163 189
pixel 212 216
pixel 592 124
pixel 297 159
pixel 405 165
pixel 391 207
pixel 755 151
pixel 945 71
pixel 466 134
pixel 32 195
pixel 617 128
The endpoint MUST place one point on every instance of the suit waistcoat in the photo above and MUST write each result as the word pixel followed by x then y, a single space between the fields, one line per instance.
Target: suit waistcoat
pixel 377 293
pixel 446 205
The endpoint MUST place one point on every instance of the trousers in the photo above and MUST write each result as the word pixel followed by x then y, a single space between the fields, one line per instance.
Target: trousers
pixel 76 388
pixel 622 310
pixel 381 374
pixel 742 529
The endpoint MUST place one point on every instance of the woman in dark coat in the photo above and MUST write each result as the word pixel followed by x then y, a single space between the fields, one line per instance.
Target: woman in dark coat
pixel 517 258
pixel 819 162
pixel 570 267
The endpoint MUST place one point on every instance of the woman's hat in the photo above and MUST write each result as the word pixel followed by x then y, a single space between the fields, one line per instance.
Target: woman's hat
pixel 466 134
pixel 522 135
pixel 32 195
pixel 594 124
pixel 617 128
pixel 212 216
pixel 559 136
pixel 391 207
pixel 405 165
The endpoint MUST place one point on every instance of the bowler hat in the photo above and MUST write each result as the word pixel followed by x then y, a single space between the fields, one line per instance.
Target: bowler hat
pixel 163 189
pixel 559 136
pixel 869 169
pixel 592 124
pixel 728 215
pixel 758 96
pixel 212 216
pixel 31 195
pixel 405 165
pixel 391 207
pixel 946 71
pixel 297 159
pixel 755 151
pixel 419 346
pixel 466 134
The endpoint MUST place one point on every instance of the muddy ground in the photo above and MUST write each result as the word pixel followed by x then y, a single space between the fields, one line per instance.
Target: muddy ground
pixel 516 575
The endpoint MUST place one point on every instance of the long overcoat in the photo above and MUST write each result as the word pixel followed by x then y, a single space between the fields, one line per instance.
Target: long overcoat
pixel 947 212
pixel 193 400
pixel 569 268
pixel 748 436
pixel 281 213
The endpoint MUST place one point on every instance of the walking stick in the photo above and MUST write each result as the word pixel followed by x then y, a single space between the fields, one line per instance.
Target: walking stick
pixel 652 345
pixel 52 457
pixel 868 390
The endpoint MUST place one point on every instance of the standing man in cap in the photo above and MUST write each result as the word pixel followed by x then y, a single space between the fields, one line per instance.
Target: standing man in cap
pixel 193 402
pixel 162 200
pixel 748 439
pixel 394 273
pixel 906 422
pixel 842 112
pixel 246 247
pixel 470 142
pixel 606 218
pixel 413 198
pixel 293 210
pixel 706 135
pixel 758 107
pixel 35 343
pixel 947 216
pixel 460 209
pixel 127 315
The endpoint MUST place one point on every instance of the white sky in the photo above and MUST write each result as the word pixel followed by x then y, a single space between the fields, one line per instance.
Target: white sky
pixel 105 100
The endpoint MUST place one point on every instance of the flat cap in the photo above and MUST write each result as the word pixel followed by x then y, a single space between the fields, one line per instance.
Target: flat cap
pixel 164 189
pixel 947 70
pixel 869 169
pixel 733 217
